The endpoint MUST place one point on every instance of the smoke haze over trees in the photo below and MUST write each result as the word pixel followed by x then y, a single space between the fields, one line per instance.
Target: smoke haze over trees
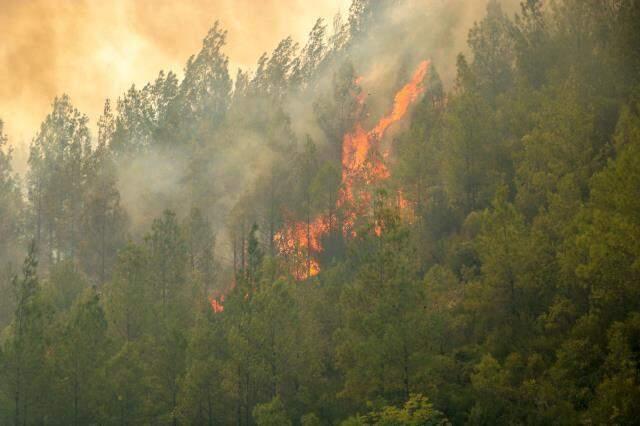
pixel 426 213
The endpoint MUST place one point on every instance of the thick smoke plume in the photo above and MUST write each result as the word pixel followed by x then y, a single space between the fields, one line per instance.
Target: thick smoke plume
pixel 156 38
pixel 95 50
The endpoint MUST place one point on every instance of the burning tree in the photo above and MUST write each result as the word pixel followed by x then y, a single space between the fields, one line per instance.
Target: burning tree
pixel 363 165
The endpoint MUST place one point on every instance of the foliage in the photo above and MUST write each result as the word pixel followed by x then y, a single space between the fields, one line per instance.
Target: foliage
pixel 491 279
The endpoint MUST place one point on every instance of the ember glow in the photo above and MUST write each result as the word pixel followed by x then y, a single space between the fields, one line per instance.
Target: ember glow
pixel 363 165
pixel 217 304
pixel 299 241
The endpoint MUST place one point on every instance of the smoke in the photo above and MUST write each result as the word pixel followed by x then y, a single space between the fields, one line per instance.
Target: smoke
pixel 150 183
pixel 94 50
pixel 418 30
pixel 156 180
pixel 412 31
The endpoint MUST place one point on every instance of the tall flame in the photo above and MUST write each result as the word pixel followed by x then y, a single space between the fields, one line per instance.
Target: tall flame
pixel 217 304
pixel 362 166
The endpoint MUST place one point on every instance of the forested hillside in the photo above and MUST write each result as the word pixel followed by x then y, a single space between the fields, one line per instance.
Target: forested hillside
pixel 369 228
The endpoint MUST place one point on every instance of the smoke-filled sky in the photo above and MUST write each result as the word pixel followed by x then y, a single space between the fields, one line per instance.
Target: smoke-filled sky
pixel 94 49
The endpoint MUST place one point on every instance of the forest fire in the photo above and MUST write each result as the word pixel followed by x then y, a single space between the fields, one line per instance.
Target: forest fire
pixel 363 165
pixel 282 242
pixel 299 240
pixel 217 304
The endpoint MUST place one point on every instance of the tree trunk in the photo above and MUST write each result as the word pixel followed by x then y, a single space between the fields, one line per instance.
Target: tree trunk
pixel 308 242
pixel 103 248
pixel 406 370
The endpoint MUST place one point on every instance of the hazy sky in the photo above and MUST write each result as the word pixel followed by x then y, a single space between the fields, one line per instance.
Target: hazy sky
pixel 94 49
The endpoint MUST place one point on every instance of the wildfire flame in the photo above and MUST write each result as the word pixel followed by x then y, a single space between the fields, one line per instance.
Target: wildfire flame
pixel 217 304
pixel 299 240
pixel 362 166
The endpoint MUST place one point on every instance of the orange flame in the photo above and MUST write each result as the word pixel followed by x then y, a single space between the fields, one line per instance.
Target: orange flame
pixel 362 166
pixel 298 241
pixel 403 99
pixel 217 304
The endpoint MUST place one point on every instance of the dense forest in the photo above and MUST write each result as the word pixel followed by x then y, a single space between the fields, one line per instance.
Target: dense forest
pixel 367 229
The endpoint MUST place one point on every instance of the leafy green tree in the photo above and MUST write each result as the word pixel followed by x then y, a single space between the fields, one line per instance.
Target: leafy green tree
pixel 167 270
pixel 128 295
pixel 380 338
pixel 167 260
pixel 125 376
pixel 81 357
pixel 311 55
pixel 324 193
pixel 271 414
pixel 56 180
pixel 310 420
pixel 306 172
pixel 530 34
pixel 517 273
pixel 104 220
pixel 561 149
pixel 200 243
pixel 492 47
pixel 255 255
pixel 64 285
pixel 602 256
pixel 202 396
pixel 616 394
pixel 336 111
pixel 500 279
pixel 273 310
pixel 26 365
pixel 10 201
pixel 204 91
pixel 470 156
pixel 142 118
pixel 417 411
pixel 133 132
pixel 492 390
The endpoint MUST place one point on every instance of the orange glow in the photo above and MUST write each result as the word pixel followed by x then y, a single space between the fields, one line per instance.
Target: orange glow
pixel 362 166
pixel 217 304
pixel 298 241
pixel 403 99
pixel 406 207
